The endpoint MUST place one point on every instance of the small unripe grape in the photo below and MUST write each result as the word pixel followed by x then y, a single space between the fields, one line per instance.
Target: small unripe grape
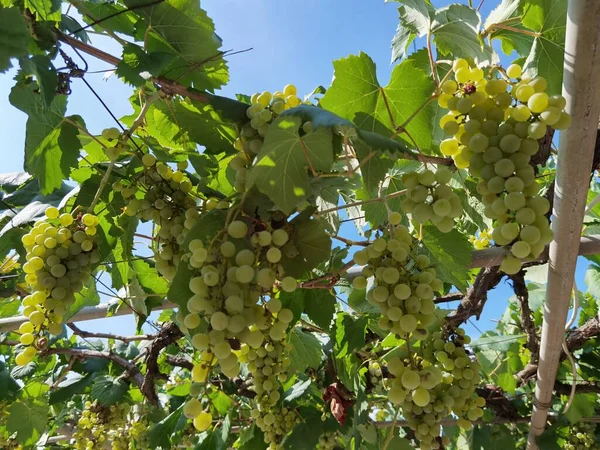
pixel 514 71
pixel 52 212
pixel 410 379
pixel 510 265
pixel 289 284
pixel 359 283
pixel 203 421
pixel 520 249
pixel 148 160
pixel 394 218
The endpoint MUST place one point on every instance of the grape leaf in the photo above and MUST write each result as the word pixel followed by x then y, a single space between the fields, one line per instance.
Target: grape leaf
pixel 70 387
pixel 297 390
pixel 415 21
pixel 86 297
pixel 51 142
pixel 548 18
pixel 45 75
pixel 136 65
pixel 14 36
pixel 357 96
pixel 592 280
pixel 583 406
pixel 282 166
pixel 455 29
pixel 45 10
pixel 27 418
pixel 312 243
pixel 306 351
pixel 108 390
pixel 348 334
pixel 114 17
pixel 159 435
pixel 182 28
pixel 180 124
pixel 319 305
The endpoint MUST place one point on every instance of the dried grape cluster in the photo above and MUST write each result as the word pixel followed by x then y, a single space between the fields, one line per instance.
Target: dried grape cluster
pixel 60 253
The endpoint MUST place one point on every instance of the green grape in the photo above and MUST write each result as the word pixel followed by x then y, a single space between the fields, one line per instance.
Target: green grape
pixel 203 421
pixel 464 105
pixel 540 205
pixel 539 84
pixel 504 168
pixel 422 213
pixel 514 184
pixel 520 113
pixel 530 234
pixel 289 284
pixel 492 155
pixel 408 323
pixel 525 216
pixel 514 71
pixel 510 143
pixel 538 102
pixel 510 231
pixel 448 147
pixel 449 86
pixel 563 122
pixel 426 178
pixel 524 92
pixel 510 265
pixel 520 249
pixel 421 397
pixel 537 130
pixel 237 229
pixel 550 115
pixel 514 201
pixel 478 142
pixel 410 379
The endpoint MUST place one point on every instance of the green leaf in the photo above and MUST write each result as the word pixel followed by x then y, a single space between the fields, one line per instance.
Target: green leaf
pixel 319 305
pixel 27 418
pixel 374 166
pixel 45 10
pixel 592 280
pixel 356 95
pixel 348 334
pixel 455 29
pixel 312 243
pixel 8 386
pixel 86 297
pixel 9 307
pixel 136 65
pixel 182 28
pixel 45 75
pixel 183 123
pixel 507 9
pixel 14 36
pixel 51 143
pixel 294 301
pixel 305 435
pixel 297 390
pixel 282 166
pixel 450 253
pixel 108 390
pixel 398 443
pixel 149 278
pixel 120 20
pixel 548 18
pixel 583 406
pixel 415 20
pixel 508 382
pixel 70 387
pixel 306 352
pixel 159 435
pixel 251 438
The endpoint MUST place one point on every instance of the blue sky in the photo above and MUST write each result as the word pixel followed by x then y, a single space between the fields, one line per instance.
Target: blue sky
pixel 293 41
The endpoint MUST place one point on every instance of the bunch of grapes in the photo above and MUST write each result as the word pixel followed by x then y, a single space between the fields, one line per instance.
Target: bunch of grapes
pixel 375 375
pixel 403 285
pixel 438 379
pixel 60 252
pixel 194 410
pixel 483 240
pixel 328 441
pixel 276 423
pixel 118 143
pixel 168 203
pixel 234 314
pixel 429 198
pixel 582 436
pixel 101 427
pixel 496 124
pixel 264 108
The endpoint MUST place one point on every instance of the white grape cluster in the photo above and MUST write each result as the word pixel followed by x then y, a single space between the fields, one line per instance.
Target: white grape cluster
pixel 235 294
pixel 194 410
pixel 496 124
pixel 264 108
pixel 113 427
pixel 438 379
pixel 375 375
pixel 328 441
pixel 168 203
pixel 403 283
pixel 582 436
pixel 276 423
pixel 429 198
pixel 60 252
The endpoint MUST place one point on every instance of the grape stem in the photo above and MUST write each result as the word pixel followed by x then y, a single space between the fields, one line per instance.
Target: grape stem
pixel 362 202
pixel 390 434
pixel 434 74
pixel 349 241
pixel 139 120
